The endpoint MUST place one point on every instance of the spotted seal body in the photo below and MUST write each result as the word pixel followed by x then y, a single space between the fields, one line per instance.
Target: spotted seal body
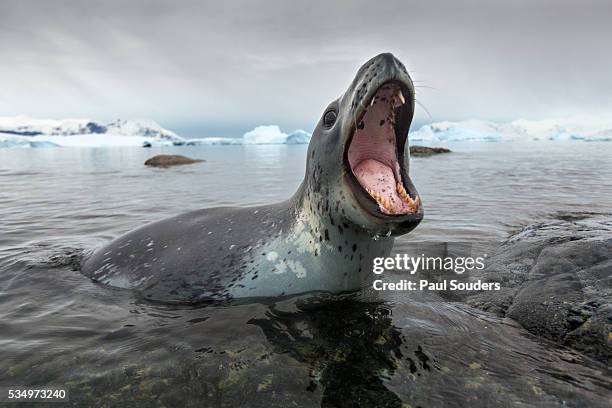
pixel 355 197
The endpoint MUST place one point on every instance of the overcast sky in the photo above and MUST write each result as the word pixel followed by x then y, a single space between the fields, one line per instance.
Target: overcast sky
pixel 208 68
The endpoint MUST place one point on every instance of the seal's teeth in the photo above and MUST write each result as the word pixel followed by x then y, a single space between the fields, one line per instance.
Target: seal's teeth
pixel 384 203
pixel 414 204
pixel 372 102
pixel 401 97
pixel 402 192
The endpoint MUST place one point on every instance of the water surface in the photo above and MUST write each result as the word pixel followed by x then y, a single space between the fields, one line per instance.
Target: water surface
pixel 108 347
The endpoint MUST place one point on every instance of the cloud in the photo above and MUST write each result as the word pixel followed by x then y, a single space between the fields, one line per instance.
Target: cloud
pixel 231 65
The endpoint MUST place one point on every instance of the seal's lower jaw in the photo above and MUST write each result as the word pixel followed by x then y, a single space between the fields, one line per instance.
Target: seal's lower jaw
pixel 374 155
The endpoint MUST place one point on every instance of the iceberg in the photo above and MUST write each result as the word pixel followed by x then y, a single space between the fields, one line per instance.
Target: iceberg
pixel 601 136
pixel 577 128
pixel 456 131
pixel 268 134
pixel 260 135
pixel 42 144
pixel 298 137
pixel 214 141
pixel 22 141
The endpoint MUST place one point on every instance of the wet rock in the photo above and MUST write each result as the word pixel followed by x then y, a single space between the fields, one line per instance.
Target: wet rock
pixel 166 160
pixel 423 151
pixel 557 282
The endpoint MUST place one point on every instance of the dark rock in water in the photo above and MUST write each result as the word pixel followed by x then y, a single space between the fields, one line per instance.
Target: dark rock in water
pixel 166 160
pixel 423 151
pixel 146 144
pixel 556 280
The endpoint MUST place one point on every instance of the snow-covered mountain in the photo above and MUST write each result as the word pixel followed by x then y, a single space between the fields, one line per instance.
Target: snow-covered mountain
pixel 26 126
pixel 23 131
pixel 145 128
pixel 587 129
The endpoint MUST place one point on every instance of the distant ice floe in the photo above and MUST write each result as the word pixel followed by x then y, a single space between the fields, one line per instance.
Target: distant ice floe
pixel 261 135
pixel 585 129
pixel 22 141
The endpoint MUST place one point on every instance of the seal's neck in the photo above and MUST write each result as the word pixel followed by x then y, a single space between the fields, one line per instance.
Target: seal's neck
pixel 315 249
pixel 324 216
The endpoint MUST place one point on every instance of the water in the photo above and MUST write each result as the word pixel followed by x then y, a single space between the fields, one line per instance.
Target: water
pixel 108 348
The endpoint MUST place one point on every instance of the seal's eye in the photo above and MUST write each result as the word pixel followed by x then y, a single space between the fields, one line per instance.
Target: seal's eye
pixel 329 118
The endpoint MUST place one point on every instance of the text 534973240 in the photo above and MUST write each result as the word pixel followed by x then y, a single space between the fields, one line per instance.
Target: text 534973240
pixel 14 394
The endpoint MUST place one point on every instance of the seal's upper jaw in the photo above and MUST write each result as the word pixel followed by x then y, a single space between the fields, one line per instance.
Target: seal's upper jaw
pixel 375 153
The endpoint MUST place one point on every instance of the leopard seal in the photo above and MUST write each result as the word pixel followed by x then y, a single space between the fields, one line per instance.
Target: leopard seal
pixel 356 196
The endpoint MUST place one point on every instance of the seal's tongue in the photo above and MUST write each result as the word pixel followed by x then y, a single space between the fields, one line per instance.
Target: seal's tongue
pixel 379 180
pixel 372 153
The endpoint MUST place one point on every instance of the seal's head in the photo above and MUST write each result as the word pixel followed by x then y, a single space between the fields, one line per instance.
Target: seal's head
pixel 358 157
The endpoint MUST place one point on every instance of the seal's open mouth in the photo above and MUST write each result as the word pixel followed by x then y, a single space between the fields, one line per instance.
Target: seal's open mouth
pixel 376 148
